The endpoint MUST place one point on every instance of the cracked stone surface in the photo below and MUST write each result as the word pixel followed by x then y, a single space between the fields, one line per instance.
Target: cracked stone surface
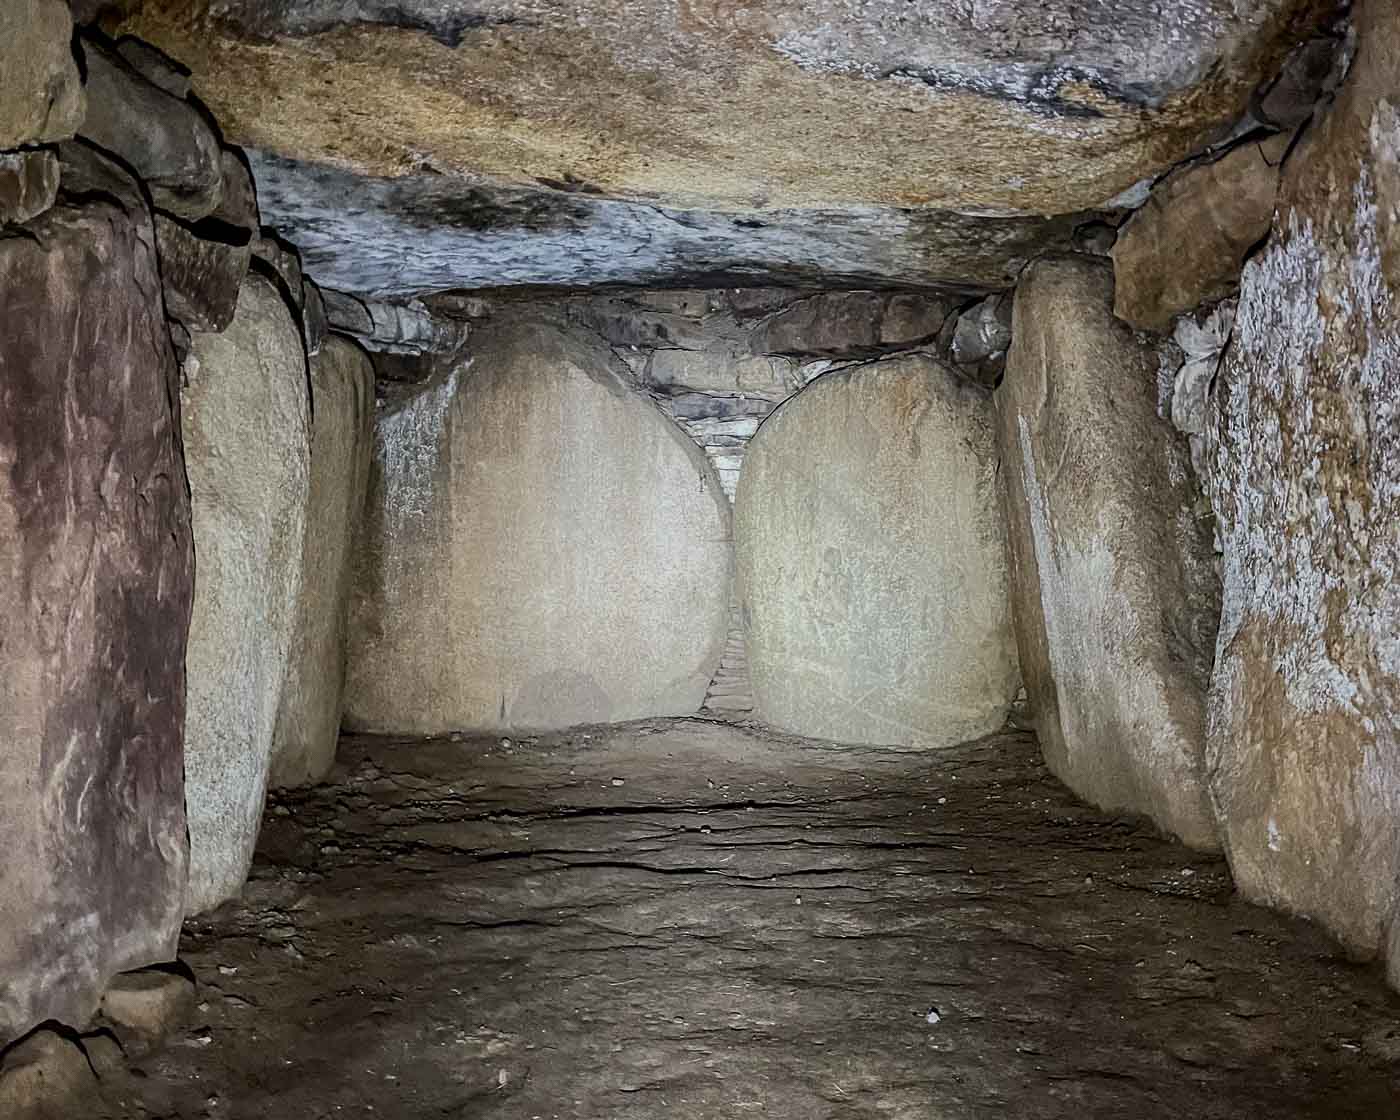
pixel 680 917
pixel 418 145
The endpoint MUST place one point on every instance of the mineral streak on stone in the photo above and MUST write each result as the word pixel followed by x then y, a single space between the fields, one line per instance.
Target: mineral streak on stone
pixel 1115 594
pixel 308 719
pixel 1000 106
pixel 43 93
pixel 544 548
pixel 246 433
pixel 422 232
pixel 871 555
pixel 95 578
pixel 1305 479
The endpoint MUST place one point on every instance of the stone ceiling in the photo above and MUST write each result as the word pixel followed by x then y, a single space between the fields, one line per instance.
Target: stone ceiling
pixel 410 145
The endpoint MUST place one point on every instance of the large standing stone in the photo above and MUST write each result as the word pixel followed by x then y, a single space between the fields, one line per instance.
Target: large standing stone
pixel 95 585
pixel 308 720
pixel 246 440
pixel 544 549
pixel 1187 243
pixel 1112 574
pixel 871 558
pixel 163 139
pixel 1305 476
pixel 42 92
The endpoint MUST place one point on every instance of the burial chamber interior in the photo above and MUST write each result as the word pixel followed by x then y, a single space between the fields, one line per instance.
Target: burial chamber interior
pixel 604 558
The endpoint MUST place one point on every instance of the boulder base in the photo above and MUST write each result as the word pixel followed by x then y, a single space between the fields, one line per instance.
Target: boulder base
pixel 871 559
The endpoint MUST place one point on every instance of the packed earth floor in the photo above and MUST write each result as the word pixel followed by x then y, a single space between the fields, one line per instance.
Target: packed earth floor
pixel 690 919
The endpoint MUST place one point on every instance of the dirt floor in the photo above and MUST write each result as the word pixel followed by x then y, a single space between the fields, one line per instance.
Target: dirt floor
pixel 690 919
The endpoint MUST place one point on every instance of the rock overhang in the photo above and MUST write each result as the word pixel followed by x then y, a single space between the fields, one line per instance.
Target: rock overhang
pixel 643 142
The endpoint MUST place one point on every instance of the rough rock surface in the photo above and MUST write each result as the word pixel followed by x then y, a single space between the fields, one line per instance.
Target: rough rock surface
pixel 342 405
pixel 1187 244
pixel 246 418
pixel 871 559
pixel 426 232
pixel 543 548
pixel 44 1077
pixel 44 98
pixel 1115 592
pixel 163 139
pixel 394 328
pixel 683 919
pixel 202 265
pixel 1000 106
pixel 1305 478
pixel 28 185
pixel 95 556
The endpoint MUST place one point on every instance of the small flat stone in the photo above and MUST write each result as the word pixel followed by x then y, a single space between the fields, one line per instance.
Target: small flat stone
pixel 150 1003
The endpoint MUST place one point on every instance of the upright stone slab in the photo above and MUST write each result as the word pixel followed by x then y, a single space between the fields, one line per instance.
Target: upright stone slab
pixel 871 559
pixel 1304 454
pixel 1112 569
pixel 308 720
pixel 95 585
pixel 544 549
pixel 246 422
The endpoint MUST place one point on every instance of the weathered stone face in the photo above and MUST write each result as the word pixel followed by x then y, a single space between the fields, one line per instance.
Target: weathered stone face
pixel 423 231
pixel 927 141
pixel 994 108
pixel 308 720
pixel 1112 569
pixel 1188 242
pixel 96 585
pixel 160 137
pixel 543 549
pixel 43 98
pixel 246 418
pixel 871 560
pixel 1305 478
